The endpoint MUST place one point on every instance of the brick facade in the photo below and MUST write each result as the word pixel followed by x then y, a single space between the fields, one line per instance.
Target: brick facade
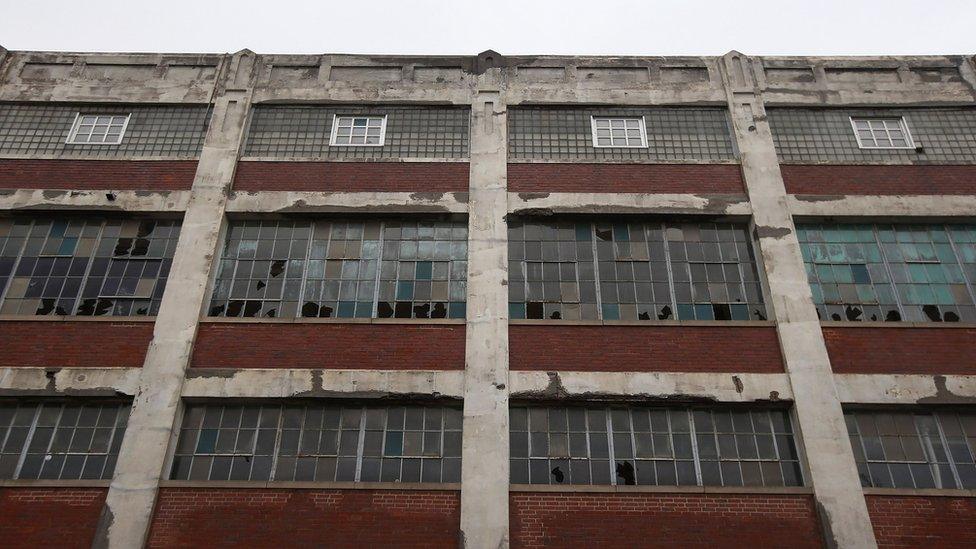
pixel 595 520
pixel 626 178
pixel 352 176
pixel 194 517
pixel 883 180
pixel 907 522
pixel 330 346
pixel 901 350
pixel 49 517
pixel 74 344
pixel 717 348
pixel 119 175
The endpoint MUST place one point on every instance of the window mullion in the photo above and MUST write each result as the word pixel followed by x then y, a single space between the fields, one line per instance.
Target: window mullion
pixel 613 459
pixel 16 265
pixel 970 284
pixel 887 266
pixel 305 265
pixel 694 445
pixel 667 262
pixel 87 273
pixel 948 453
pixel 379 270
pixel 277 445
pixel 596 273
pixel 27 441
pixel 362 439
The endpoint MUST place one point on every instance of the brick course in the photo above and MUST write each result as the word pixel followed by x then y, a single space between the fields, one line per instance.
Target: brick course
pixel 352 176
pixel 147 175
pixel 595 520
pixel 718 348
pixel 931 522
pixel 196 517
pixel 626 178
pixel 901 350
pixel 330 346
pixel 882 180
pixel 74 344
pixel 49 517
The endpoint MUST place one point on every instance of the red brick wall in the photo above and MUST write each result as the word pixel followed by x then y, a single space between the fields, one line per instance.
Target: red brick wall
pixel 49 517
pixel 930 522
pixel 626 178
pixel 352 176
pixel 74 344
pixel 906 179
pixel 908 350
pixel 330 346
pixel 719 348
pixel 151 175
pixel 193 517
pixel 594 520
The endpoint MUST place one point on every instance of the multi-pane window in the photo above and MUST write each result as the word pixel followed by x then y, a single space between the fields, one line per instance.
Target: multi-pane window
pixel 85 266
pixel 358 130
pixel 891 272
pixel 618 132
pixel 914 449
pixel 623 270
pixel 343 268
pixel 98 129
pixel 60 440
pixel 653 446
pixel 882 133
pixel 313 442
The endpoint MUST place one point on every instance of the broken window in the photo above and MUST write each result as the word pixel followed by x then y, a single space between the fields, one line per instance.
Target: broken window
pixel 916 273
pixel 369 131
pixel 60 440
pixel 98 129
pixel 882 133
pixel 914 448
pixel 85 266
pixel 619 132
pixel 575 270
pixel 343 268
pixel 653 446
pixel 313 442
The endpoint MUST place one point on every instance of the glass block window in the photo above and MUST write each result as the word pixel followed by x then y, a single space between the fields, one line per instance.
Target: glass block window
pixel 314 442
pixel 60 440
pixel 914 449
pixel 85 266
pixel 917 273
pixel 366 131
pixel 620 270
pixel 343 268
pixel 618 132
pixel 98 130
pixel 653 446
pixel 882 133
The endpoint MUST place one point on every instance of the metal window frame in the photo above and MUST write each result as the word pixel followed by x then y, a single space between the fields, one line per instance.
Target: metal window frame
pixel 76 125
pixel 902 125
pixel 335 129
pixel 643 132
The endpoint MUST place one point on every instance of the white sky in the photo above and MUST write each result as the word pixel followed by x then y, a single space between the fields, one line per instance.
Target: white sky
pixel 600 27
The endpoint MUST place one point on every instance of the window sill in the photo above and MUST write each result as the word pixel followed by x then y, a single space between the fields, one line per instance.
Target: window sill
pixel 303 320
pixel 788 490
pixel 712 323
pixel 392 159
pixel 53 483
pixel 70 318
pixel 597 160
pixel 309 485
pixel 920 492
pixel 882 324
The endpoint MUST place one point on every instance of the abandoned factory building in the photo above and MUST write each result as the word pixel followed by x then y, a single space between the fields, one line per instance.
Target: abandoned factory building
pixel 487 301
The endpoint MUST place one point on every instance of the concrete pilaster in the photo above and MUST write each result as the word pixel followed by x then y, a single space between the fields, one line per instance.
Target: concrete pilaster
pixel 484 463
pixel 129 505
pixel 831 466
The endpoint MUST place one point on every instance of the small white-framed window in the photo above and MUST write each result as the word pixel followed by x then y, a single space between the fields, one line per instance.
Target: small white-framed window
pixel 98 129
pixel 358 131
pixel 882 133
pixel 609 131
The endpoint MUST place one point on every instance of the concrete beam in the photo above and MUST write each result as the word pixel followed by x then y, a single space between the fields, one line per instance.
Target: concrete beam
pixel 334 202
pixel 107 200
pixel 905 389
pixel 22 381
pixel 901 206
pixel 282 383
pixel 627 203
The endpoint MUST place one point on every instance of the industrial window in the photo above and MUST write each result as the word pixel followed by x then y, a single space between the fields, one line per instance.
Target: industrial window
pixel 60 440
pixel 619 132
pixel 98 129
pixel 368 131
pixel 295 442
pixel 608 270
pixel 914 449
pixel 653 446
pixel 891 272
pixel 343 268
pixel 84 266
pixel 882 133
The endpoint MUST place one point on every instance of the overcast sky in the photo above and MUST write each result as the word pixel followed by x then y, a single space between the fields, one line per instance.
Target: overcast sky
pixel 602 27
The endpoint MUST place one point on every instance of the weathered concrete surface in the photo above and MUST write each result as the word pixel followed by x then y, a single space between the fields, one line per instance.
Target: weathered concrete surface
pixel 279 383
pixel 913 206
pixel 905 389
pixel 627 203
pixel 106 200
pixel 325 202
pixel 830 460
pixel 69 381
pixel 646 386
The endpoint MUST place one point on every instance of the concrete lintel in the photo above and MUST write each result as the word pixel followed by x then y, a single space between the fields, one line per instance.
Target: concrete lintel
pixel 107 200
pixel 334 202
pixel 889 206
pixel 541 203
pixel 30 381
pixel 905 389
pixel 291 383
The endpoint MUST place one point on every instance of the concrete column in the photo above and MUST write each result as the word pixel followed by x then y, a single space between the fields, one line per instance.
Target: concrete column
pixel 830 460
pixel 131 498
pixel 484 454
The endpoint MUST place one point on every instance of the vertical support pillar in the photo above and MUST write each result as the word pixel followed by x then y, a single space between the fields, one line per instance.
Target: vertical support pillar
pixel 832 470
pixel 484 462
pixel 131 497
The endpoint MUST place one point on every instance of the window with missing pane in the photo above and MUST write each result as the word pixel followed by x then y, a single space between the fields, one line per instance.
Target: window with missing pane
pixel 882 133
pixel 619 132
pixel 98 129
pixel 365 131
